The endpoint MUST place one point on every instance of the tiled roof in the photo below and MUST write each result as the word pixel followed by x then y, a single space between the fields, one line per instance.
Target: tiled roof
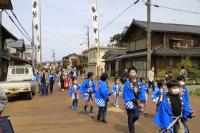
pixel 113 54
pixel 15 44
pixel 194 52
pixel 135 54
pixel 163 27
pixel 169 27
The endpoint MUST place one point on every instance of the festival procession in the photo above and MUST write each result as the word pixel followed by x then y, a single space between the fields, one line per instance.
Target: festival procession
pixel 98 66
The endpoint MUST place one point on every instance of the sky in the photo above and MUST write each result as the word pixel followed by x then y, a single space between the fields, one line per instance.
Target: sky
pixel 64 22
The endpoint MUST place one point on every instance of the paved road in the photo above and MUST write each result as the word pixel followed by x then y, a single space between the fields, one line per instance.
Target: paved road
pixel 53 114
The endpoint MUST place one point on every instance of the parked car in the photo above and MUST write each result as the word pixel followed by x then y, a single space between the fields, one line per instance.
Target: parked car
pixel 20 81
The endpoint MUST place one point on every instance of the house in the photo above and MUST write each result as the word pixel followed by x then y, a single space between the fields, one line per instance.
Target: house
pixel 4 54
pixel 112 63
pixel 71 60
pixel 92 65
pixel 16 48
pixel 28 52
pixel 170 42
pixel 5 4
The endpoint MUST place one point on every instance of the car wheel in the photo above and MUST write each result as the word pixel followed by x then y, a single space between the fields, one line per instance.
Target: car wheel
pixel 30 95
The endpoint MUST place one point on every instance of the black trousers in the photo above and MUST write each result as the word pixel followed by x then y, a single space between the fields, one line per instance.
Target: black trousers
pixel 51 86
pixel 62 84
pixel 75 103
pixel 151 84
pixel 133 116
pixel 102 113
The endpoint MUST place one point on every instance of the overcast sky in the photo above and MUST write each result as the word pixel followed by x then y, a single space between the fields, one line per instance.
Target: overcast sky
pixel 64 21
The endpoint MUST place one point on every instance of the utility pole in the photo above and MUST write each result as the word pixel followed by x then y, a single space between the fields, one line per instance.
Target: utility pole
pixel 148 35
pixel 40 28
pixel 0 30
pixel 54 56
pixel 88 36
pixel 98 42
pixel 33 46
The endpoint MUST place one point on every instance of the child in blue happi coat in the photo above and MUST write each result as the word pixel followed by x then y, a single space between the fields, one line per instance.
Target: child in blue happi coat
pixel 158 93
pixel 173 112
pixel 183 89
pixel 102 94
pixel 117 90
pixel 88 90
pixel 74 93
pixel 133 94
pixel 146 87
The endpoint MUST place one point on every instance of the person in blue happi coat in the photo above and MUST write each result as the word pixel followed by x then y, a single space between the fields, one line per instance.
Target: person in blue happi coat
pixel 102 94
pixel 116 90
pixel 173 112
pixel 133 93
pixel 52 80
pixel 183 89
pixel 88 90
pixel 158 93
pixel 74 92
pixel 146 87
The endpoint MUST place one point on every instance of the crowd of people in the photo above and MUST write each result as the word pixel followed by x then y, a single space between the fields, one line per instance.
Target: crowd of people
pixel 170 96
pixel 47 77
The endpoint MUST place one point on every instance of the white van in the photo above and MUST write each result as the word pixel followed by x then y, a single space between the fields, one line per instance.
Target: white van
pixel 20 80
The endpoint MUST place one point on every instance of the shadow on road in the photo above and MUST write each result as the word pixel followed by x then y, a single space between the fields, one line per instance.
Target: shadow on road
pixel 121 128
pixel 15 98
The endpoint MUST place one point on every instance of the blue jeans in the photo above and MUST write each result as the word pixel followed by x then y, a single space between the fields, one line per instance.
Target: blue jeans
pixel 44 89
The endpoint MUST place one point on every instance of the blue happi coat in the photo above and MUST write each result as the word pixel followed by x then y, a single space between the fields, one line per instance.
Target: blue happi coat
pixel 86 87
pixel 52 76
pixel 157 93
pixel 114 88
pixel 185 95
pixel 146 88
pixel 102 93
pixel 129 96
pixel 164 113
pixel 72 91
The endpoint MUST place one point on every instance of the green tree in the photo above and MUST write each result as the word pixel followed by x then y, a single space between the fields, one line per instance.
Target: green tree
pixel 117 37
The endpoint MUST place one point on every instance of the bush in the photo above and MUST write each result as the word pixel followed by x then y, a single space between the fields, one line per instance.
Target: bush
pixel 194 74
pixel 197 92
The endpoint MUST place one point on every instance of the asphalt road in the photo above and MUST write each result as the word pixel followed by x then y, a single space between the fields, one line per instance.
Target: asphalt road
pixel 53 114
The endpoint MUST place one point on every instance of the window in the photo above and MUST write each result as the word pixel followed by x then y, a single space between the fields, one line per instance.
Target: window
pixel 19 70
pixel 195 42
pixel 91 55
pixel 13 71
pixel 26 71
pixel 175 43
pixel 94 55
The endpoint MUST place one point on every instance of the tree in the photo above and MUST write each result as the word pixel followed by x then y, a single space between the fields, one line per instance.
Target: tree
pixel 117 37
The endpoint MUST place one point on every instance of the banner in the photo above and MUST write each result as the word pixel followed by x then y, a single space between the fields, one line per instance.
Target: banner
pixel 36 16
pixel 95 24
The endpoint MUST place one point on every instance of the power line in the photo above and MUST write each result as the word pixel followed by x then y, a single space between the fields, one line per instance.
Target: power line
pixel 115 18
pixel 17 26
pixel 20 24
pixel 175 9
pixel 105 7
